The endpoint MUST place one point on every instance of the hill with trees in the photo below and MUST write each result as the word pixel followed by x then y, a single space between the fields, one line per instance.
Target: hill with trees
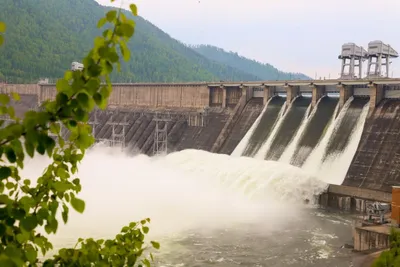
pixel 233 59
pixel 45 36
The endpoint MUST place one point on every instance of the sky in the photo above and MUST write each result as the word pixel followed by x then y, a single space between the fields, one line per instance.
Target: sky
pixel 293 35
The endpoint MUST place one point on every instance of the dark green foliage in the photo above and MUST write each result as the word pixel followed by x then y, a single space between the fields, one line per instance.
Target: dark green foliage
pixel 45 36
pixel 263 71
pixel 390 258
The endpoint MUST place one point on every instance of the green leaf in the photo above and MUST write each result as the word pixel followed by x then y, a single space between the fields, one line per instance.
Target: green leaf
pixel 64 213
pixel 30 254
pixel 30 149
pixel 2 229
pixel 98 98
pixel 113 56
pixel 78 204
pixel 16 96
pixel 61 98
pixel 4 99
pixel 5 172
pixel 133 8
pixel 94 70
pixel 111 15
pixel 10 154
pixel 155 244
pixel 1 40
pixel 146 262
pixel 62 85
pixel 101 22
pixel 83 99
pixel 68 75
pixel 127 29
pixel 145 229
pixel 3 26
pixel 125 51
pixel 29 223
pixel 72 123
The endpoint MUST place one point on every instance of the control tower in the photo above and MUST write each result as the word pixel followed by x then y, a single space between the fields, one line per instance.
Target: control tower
pixel 378 51
pixel 352 56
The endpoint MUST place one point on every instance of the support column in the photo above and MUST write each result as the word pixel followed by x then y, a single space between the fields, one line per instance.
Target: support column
pixel 318 91
pixel 377 93
pixel 244 92
pixel 269 91
pixel 39 100
pixel 223 96
pixel 291 92
pixel 346 91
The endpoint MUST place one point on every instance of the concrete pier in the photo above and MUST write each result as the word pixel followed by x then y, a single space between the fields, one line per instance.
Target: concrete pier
pixel 377 93
pixel 370 237
pixel 292 91
pixel 345 91
pixel 351 199
pixel 269 91
pixel 318 91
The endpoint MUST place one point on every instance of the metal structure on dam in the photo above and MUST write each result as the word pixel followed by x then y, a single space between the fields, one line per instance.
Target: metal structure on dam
pixel 378 56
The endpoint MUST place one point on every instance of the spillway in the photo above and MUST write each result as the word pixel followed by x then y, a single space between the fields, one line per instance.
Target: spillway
pixel 288 128
pixel 264 126
pixel 315 129
pixel 322 142
pixel 341 135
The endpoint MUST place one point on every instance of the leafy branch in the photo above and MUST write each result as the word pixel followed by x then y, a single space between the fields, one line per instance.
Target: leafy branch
pixel 25 207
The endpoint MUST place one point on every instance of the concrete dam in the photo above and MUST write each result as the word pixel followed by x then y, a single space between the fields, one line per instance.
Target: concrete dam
pixel 313 124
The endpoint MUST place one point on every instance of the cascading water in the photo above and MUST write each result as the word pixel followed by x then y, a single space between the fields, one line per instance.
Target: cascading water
pixel 263 126
pixel 323 114
pixel 245 140
pixel 345 127
pixel 267 144
pixel 289 127
pixel 203 207
pixel 333 168
pixel 288 153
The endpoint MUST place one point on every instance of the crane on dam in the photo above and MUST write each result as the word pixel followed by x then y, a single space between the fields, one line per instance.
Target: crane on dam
pixel 352 57
pixel 377 52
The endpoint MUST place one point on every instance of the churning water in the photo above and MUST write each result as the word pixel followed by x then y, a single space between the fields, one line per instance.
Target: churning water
pixel 206 209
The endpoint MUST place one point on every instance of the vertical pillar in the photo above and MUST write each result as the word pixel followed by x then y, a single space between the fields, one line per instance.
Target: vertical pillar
pixel 39 95
pixel 244 90
pixel 291 92
pixel 223 96
pixel 317 92
pixel 377 93
pixel 269 92
pixel 346 91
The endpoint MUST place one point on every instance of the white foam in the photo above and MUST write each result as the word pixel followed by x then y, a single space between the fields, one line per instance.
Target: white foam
pixel 184 190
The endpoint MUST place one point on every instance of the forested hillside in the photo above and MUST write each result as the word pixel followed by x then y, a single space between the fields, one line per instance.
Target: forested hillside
pixel 264 71
pixel 44 36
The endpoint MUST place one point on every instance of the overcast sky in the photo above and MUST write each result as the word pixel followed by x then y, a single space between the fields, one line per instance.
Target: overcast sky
pixel 293 35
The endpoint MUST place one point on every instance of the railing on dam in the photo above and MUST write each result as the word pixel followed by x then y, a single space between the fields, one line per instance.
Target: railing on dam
pixel 224 94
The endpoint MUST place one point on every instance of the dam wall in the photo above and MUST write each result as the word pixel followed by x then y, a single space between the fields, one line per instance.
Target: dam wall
pixel 376 164
pixel 216 117
pixel 135 129
pixel 151 95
